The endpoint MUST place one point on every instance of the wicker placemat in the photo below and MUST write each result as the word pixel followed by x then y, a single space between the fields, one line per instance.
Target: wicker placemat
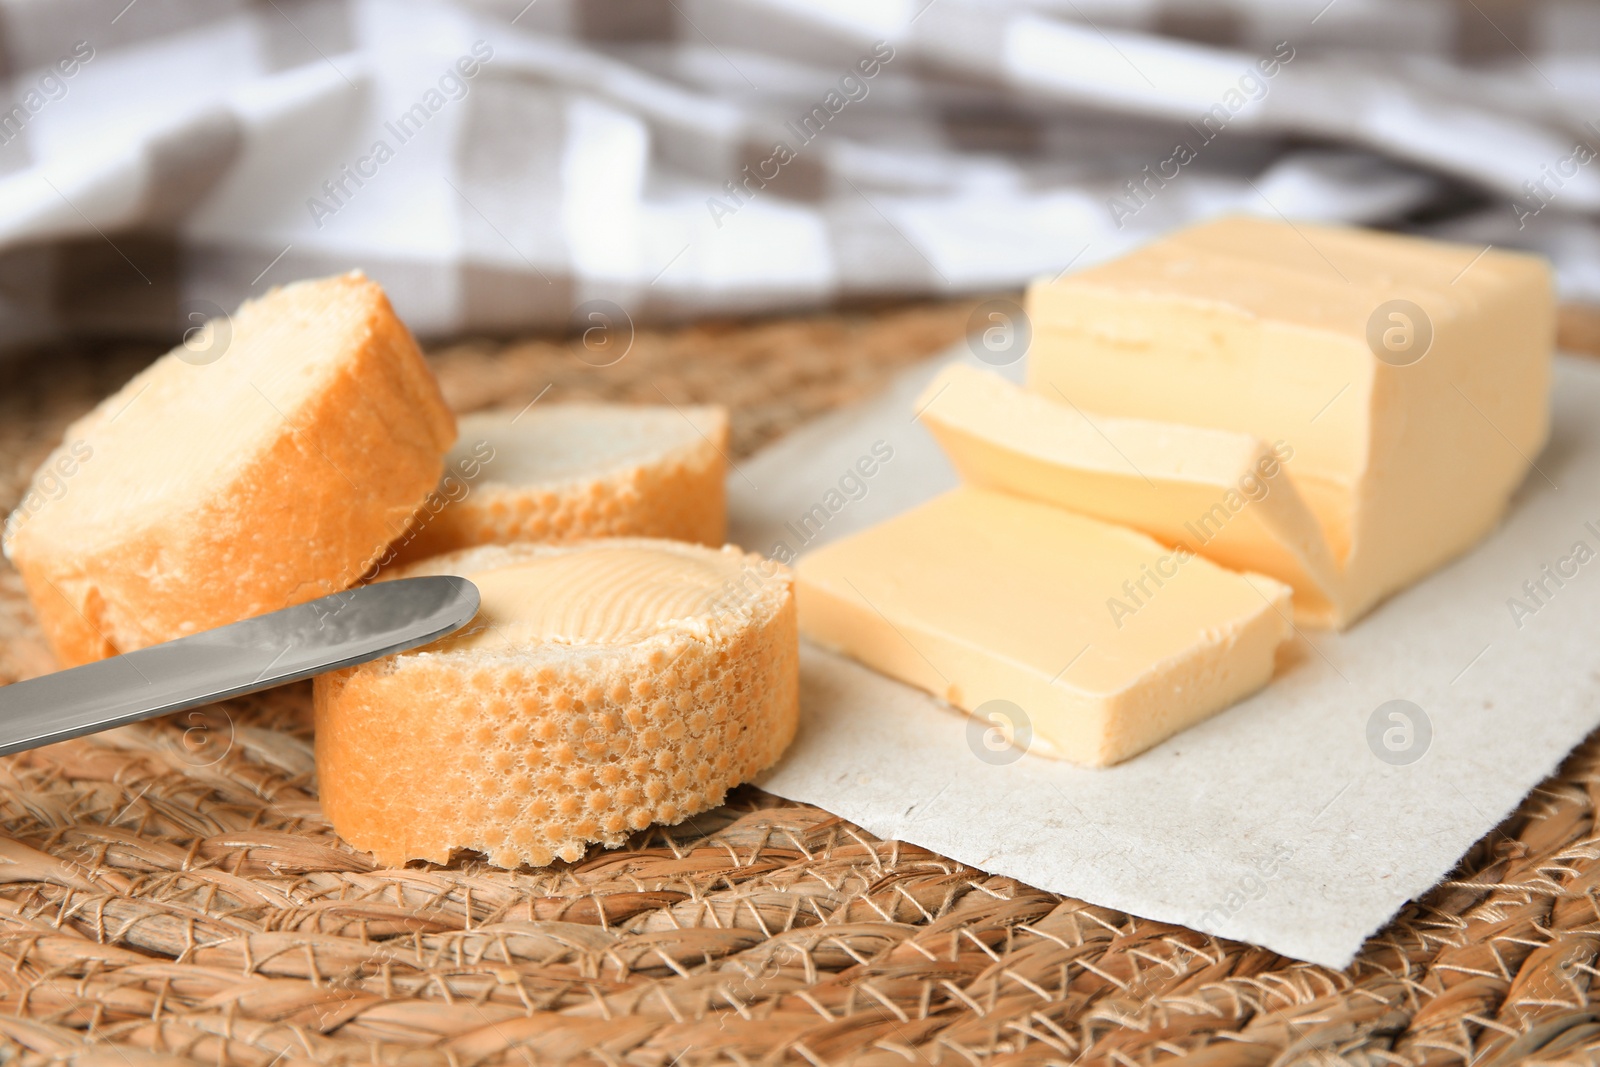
pixel 169 893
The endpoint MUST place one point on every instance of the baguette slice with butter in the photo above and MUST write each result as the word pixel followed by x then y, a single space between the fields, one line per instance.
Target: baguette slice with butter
pixel 570 472
pixel 603 686
pixel 269 471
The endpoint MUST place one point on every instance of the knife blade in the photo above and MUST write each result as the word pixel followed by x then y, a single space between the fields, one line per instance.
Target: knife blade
pixel 320 635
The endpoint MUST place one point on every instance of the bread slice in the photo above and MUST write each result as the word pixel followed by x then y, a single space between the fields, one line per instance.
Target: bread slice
pixel 604 686
pixel 204 493
pixel 569 472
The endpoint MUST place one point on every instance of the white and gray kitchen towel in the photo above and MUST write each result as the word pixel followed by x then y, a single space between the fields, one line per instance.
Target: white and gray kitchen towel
pixel 497 165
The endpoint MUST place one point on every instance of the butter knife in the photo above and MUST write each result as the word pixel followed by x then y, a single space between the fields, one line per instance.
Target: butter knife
pixel 243 657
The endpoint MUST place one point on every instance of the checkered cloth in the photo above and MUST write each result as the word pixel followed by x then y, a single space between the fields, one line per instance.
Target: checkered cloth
pixel 496 165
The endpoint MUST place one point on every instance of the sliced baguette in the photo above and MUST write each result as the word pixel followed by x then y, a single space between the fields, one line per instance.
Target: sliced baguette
pixel 204 493
pixel 570 472
pixel 604 686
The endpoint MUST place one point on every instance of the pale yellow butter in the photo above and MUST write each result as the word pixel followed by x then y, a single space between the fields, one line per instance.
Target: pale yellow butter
pixel 1107 640
pixel 1406 450
pixel 1223 494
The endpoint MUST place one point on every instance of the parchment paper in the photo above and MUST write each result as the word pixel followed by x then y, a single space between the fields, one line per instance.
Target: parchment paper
pixel 1301 819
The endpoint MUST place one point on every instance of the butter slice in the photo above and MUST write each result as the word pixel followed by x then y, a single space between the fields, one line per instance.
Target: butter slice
pixel 1222 494
pixel 1108 641
pixel 1262 328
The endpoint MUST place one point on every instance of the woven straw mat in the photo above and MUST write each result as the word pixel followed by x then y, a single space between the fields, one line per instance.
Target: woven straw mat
pixel 170 892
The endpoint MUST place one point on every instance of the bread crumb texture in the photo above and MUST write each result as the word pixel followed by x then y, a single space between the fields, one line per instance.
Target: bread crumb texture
pixel 604 686
pixel 270 470
pixel 562 473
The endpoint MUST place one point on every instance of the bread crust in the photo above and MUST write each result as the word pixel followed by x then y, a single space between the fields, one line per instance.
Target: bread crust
pixel 534 753
pixel 680 494
pixel 302 517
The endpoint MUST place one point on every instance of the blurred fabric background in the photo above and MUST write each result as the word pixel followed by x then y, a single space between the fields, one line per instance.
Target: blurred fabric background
pixel 502 166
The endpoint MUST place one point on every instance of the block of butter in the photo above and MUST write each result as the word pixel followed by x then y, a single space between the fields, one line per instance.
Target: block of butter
pixel 1221 494
pixel 1409 377
pixel 1107 641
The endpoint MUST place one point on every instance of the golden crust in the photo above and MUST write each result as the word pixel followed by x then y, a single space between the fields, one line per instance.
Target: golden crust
pixel 534 753
pixel 301 517
pixel 680 495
